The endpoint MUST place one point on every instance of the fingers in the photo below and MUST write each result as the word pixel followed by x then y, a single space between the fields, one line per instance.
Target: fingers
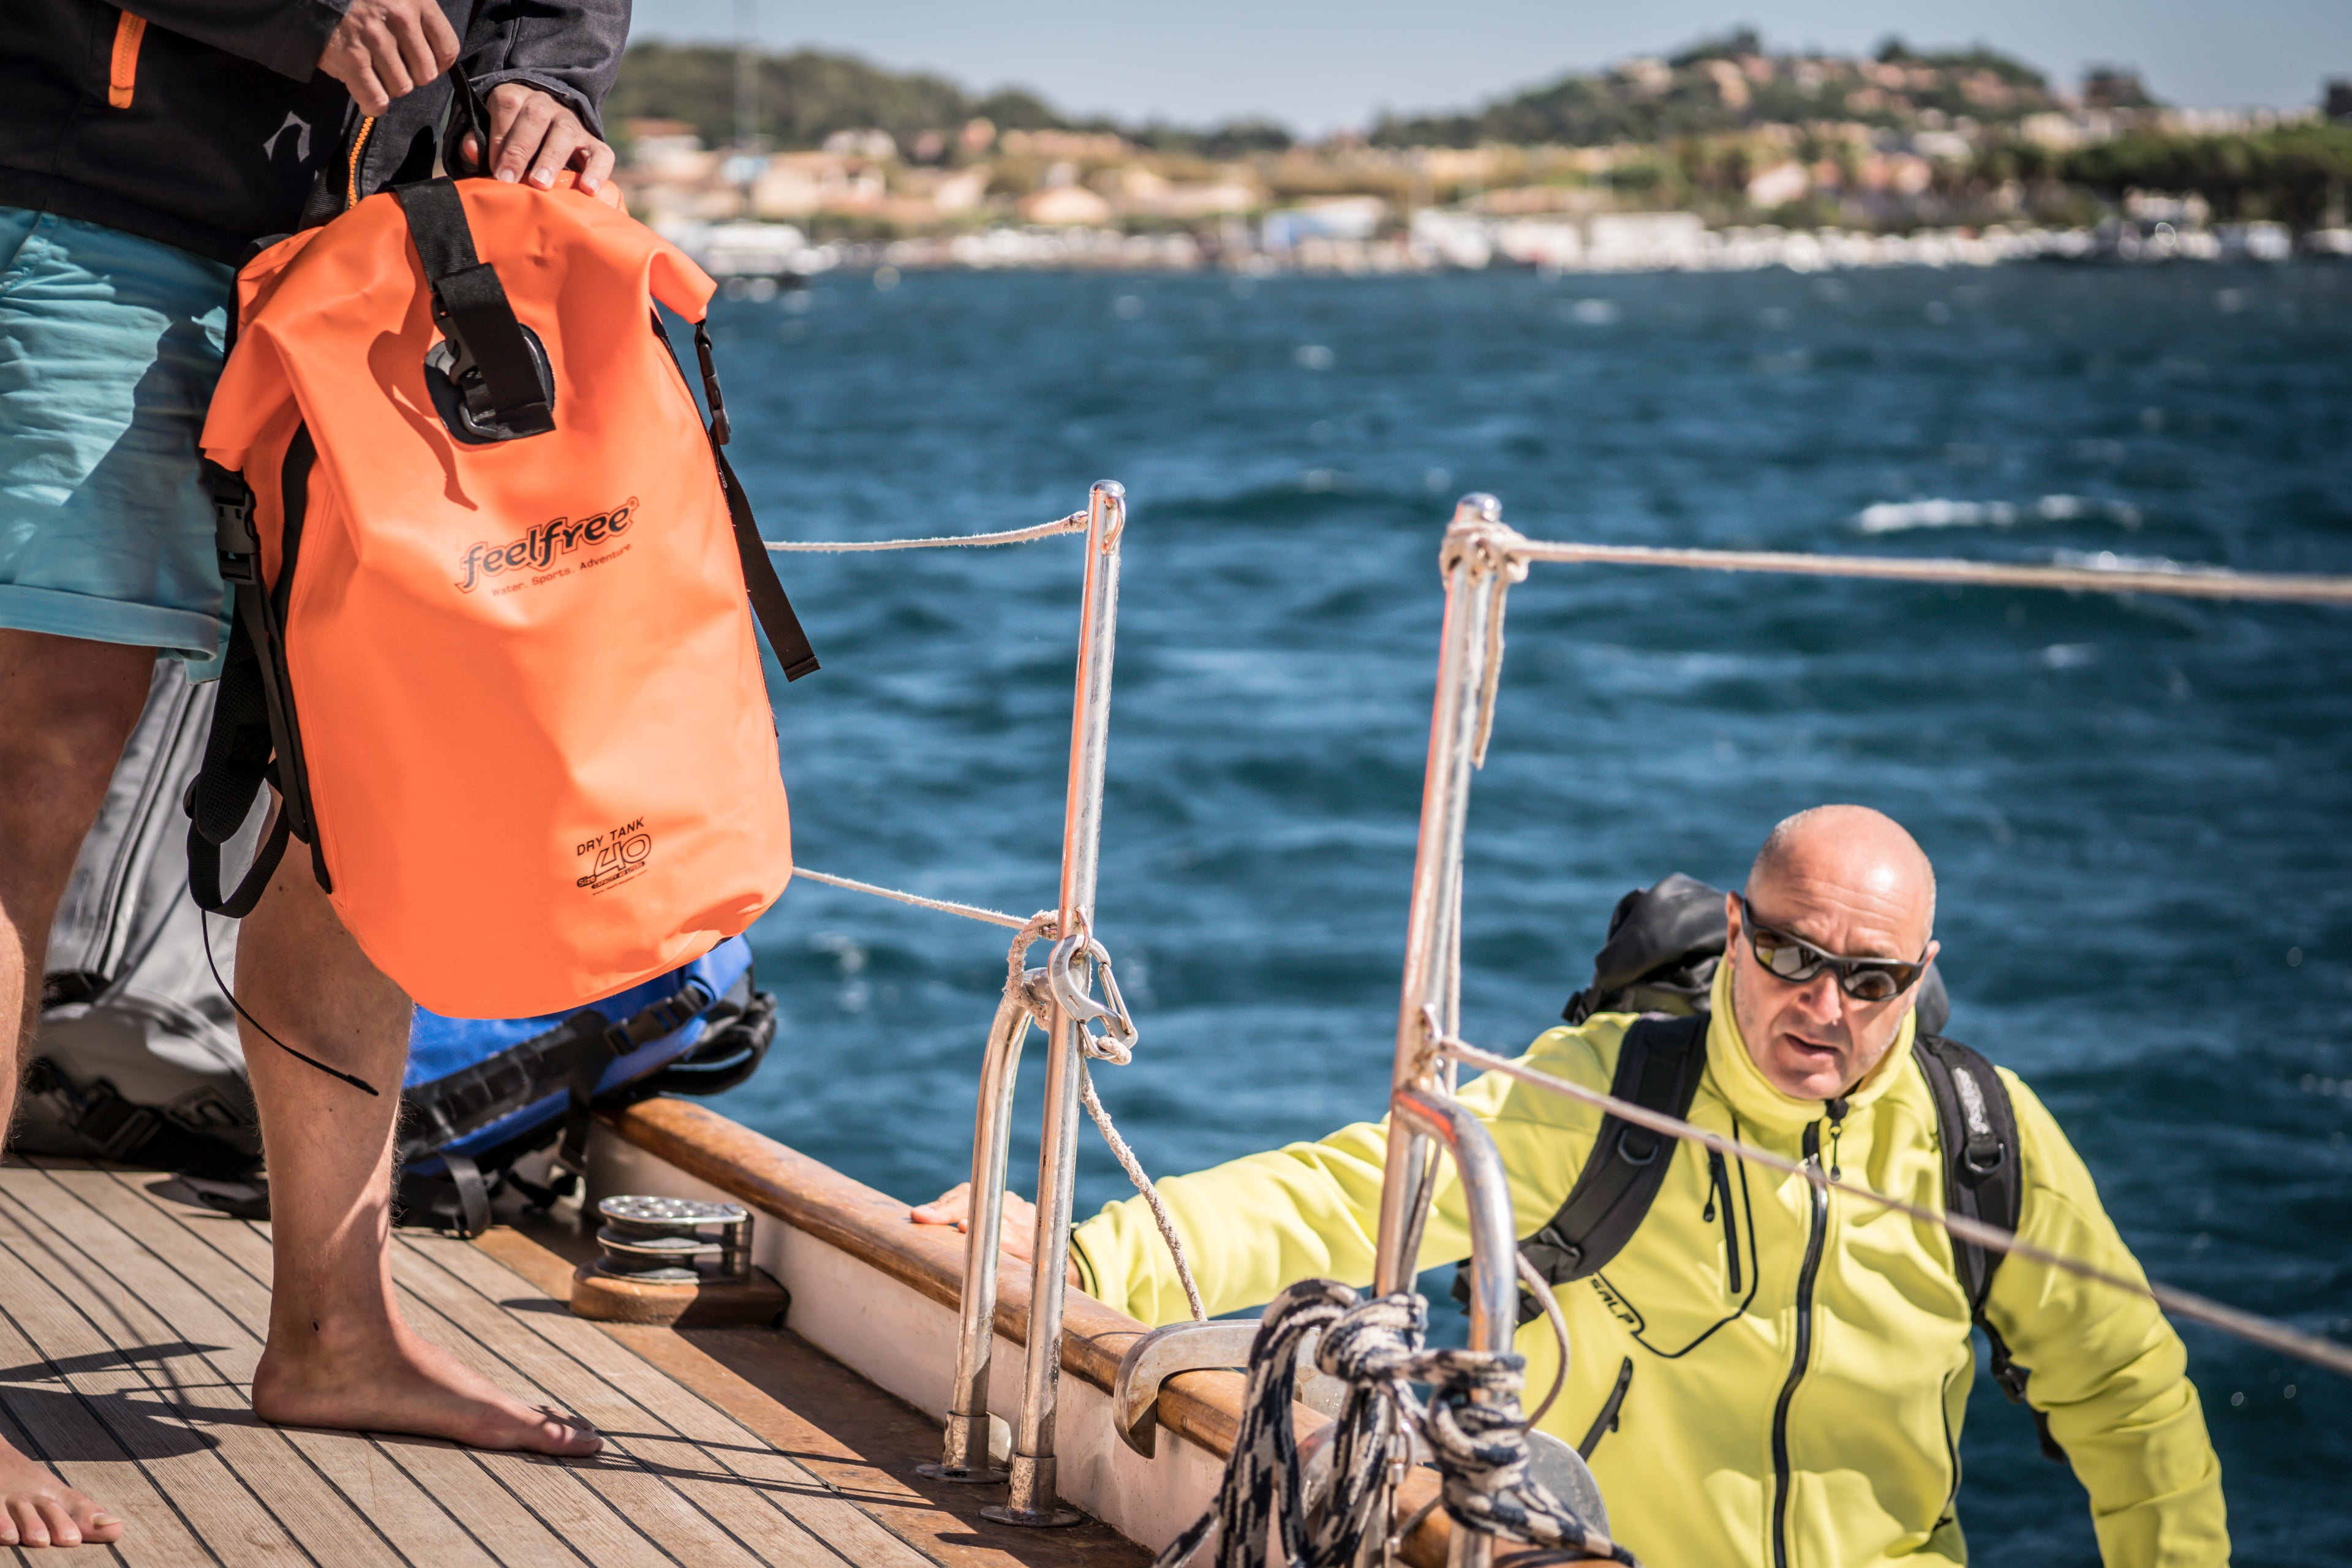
pixel 440 38
pixel 385 50
pixel 950 1207
pixel 535 136
pixel 596 168
pixel 347 59
pixel 418 58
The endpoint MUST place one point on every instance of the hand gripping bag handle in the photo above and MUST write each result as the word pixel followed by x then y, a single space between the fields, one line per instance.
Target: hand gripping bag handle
pixel 470 306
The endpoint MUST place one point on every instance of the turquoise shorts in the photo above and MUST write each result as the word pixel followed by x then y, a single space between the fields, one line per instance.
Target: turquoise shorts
pixel 109 346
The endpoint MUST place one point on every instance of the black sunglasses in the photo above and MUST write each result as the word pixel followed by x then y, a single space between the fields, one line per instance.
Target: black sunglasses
pixel 1796 960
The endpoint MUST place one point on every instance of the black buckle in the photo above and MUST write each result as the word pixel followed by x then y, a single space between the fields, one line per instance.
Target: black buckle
pixel 233 534
pixel 115 1125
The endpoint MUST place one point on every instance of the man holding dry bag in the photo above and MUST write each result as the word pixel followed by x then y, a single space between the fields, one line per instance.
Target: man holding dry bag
pixel 140 156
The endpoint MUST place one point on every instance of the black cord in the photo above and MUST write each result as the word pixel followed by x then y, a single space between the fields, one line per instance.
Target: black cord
pixel 204 922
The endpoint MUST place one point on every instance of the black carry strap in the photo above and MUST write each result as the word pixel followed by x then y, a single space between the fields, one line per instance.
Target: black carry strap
pixel 494 368
pixel 769 601
pixel 1984 1180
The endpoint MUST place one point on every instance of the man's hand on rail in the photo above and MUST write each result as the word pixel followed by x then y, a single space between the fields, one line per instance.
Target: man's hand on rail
pixel 1016 1235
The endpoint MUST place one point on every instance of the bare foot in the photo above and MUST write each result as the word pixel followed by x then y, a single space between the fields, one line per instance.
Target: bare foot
pixel 38 1510
pixel 397 1383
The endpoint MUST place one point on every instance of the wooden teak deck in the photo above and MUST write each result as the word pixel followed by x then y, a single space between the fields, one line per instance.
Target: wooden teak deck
pixel 130 1323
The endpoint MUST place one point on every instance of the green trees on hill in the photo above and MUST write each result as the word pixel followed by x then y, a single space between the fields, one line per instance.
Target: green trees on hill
pixel 1729 84
pixel 806 96
pixel 2296 174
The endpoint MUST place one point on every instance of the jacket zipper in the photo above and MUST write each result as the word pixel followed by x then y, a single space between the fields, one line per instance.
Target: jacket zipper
pixel 123 71
pixel 1816 1234
pixel 359 150
pixel 1720 1183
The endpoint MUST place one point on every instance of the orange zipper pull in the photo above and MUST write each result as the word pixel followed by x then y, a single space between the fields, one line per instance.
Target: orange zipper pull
pixel 122 74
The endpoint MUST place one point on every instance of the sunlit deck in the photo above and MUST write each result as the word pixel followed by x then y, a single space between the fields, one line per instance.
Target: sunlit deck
pixel 131 1321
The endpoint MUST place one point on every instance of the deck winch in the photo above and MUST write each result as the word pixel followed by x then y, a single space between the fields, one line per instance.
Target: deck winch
pixel 667 1239
pixel 678 1261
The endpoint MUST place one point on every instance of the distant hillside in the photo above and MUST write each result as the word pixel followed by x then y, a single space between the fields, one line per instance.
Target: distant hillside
pixel 1732 83
pixel 806 96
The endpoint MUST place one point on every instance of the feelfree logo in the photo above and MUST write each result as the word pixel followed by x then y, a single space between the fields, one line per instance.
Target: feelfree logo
pixel 537 550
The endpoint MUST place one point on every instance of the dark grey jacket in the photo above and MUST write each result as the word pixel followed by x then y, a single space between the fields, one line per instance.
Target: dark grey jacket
pixel 230 130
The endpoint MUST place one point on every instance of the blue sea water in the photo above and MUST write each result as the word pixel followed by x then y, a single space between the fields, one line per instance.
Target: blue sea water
pixel 2137 806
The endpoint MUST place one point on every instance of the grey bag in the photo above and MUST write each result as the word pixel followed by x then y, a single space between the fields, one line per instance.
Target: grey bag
pixel 136 1058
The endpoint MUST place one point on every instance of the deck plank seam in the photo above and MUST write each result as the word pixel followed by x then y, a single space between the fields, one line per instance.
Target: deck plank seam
pixel 390 1454
pixel 715 1452
pixel 227 1380
pixel 139 1371
pixel 535 1389
pixel 644 1464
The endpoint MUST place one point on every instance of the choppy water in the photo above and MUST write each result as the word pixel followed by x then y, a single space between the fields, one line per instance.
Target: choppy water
pixel 2139 808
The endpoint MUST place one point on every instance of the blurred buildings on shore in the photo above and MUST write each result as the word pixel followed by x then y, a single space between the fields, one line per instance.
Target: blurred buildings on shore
pixel 1750 160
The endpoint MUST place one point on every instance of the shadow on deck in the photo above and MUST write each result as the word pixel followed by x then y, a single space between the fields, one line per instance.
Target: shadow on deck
pixel 131 1321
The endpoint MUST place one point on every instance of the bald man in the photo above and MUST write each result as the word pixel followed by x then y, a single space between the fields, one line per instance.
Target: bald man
pixel 1769 1374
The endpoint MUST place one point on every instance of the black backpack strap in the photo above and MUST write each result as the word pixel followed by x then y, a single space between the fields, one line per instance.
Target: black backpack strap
pixel 1984 1180
pixel 254 735
pixel 470 306
pixel 1658 1068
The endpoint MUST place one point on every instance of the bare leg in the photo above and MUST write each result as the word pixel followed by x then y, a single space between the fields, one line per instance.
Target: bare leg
pixel 66 708
pixel 338 1354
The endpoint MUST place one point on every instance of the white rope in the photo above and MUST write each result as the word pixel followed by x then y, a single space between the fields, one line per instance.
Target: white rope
pixel 1074 523
pixel 2203 582
pixel 1134 1169
pixel 1108 1047
pixel 945 906
pixel 1540 1289
pixel 2261 1330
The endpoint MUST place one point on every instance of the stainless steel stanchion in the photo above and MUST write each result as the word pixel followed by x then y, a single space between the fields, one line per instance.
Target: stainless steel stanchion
pixel 1033 1497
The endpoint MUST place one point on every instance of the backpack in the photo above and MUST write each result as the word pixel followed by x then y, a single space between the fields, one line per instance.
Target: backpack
pixel 491 639
pixel 136 1060
pixel 1663 945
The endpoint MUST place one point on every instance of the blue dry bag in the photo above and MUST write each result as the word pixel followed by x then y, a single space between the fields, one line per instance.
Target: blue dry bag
pixel 481 1092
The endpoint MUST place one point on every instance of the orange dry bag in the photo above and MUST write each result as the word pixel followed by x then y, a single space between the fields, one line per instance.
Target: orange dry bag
pixel 491 639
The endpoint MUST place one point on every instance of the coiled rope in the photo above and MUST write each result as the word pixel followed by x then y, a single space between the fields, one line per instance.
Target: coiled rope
pixel 1074 523
pixel 2266 1331
pixel 1472 1423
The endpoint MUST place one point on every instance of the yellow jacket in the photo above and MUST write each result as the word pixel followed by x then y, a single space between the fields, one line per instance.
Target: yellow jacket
pixel 1873 1420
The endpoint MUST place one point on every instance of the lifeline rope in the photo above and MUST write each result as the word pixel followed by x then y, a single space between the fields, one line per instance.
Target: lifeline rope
pixel 2202 582
pixel 1047 926
pixel 1472 1423
pixel 945 907
pixel 1134 1169
pixel 2261 1330
pixel 1074 523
